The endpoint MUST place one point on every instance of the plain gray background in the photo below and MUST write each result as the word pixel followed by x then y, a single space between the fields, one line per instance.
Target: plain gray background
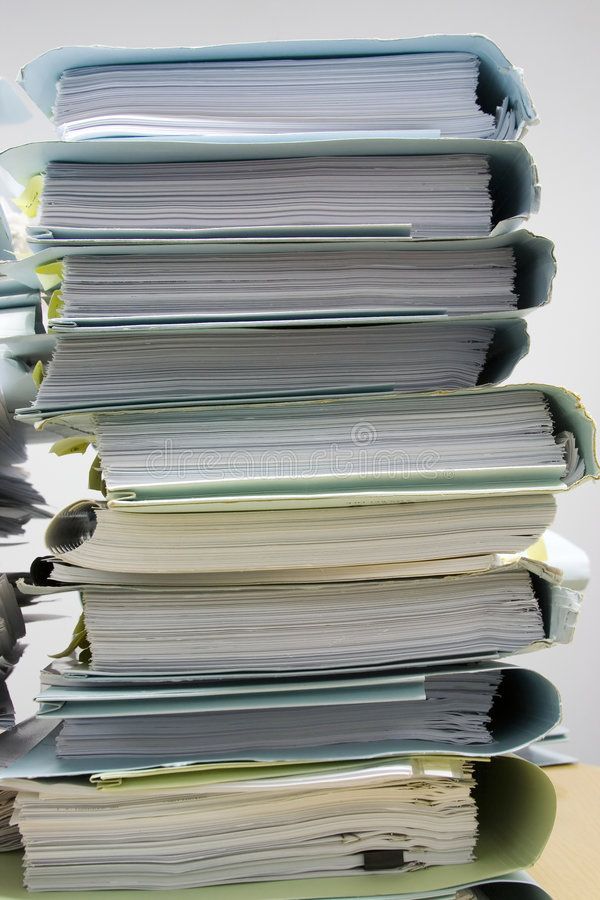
pixel 557 46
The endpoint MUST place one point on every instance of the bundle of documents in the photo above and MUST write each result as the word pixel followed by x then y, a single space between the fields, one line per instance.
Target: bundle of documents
pixel 93 367
pixel 440 85
pixel 289 278
pixel 88 721
pixel 340 825
pixel 418 537
pixel 421 91
pixel 456 709
pixel 353 190
pixel 294 825
pixel 283 627
pixel 281 297
pixel 286 282
pixel 115 191
pixel 497 438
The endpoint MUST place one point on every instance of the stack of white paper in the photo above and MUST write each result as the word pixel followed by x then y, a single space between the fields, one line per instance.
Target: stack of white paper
pixel 434 92
pixel 96 367
pixel 405 535
pixel 497 437
pixel 315 191
pixel 245 284
pixel 310 626
pixel 10 836
pixel 456 710
pixel 323 822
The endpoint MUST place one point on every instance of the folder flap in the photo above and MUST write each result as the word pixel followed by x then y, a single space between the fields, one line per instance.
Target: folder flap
pixel 560 606
pixel 13 109
pixel 499 80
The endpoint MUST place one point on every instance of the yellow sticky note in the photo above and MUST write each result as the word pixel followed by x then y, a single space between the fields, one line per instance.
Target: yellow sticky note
pixel 29 201
pixel 55 305
pixel 70 445
pixel 50 275
pixel 79 639
pixel 95 480
pixel 38 373
pixel 537 551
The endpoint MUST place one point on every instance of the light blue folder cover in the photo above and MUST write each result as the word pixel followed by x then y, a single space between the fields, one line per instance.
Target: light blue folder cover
pixel 514 183
pixel 499 81
pixel 528 708
pixel 534 262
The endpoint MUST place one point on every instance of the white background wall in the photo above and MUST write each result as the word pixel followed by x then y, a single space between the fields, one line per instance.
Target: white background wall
pixel 557 45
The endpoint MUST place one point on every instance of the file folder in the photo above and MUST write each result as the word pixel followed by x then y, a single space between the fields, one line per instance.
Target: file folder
pixel 526 707
pixel 534 268
pixel 516 805
pixel 514 187
pixel 281 453
pixel 500 88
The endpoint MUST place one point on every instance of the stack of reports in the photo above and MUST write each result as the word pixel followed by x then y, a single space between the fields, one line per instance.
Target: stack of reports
pixel 281 312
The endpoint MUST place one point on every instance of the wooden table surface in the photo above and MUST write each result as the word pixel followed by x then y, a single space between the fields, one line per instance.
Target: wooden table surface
pixel 569 868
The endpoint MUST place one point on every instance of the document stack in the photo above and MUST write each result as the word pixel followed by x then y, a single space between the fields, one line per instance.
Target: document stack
pixel 284 282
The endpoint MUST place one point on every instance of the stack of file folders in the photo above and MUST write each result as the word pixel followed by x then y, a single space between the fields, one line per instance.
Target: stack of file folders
pixel 284 282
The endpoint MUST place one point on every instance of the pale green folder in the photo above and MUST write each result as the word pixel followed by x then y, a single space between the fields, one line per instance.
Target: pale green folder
pixel 516 803
pixel 568 413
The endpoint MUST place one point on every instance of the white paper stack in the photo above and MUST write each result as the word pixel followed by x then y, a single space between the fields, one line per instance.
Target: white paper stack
pixel 238 285
pixel 310 626
pixel 19 500
pixel 497 437
pixel 309 191
pixel 428 537
pixel 456 710
pixel 95 368
pixel 323 822
pixel 434 92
